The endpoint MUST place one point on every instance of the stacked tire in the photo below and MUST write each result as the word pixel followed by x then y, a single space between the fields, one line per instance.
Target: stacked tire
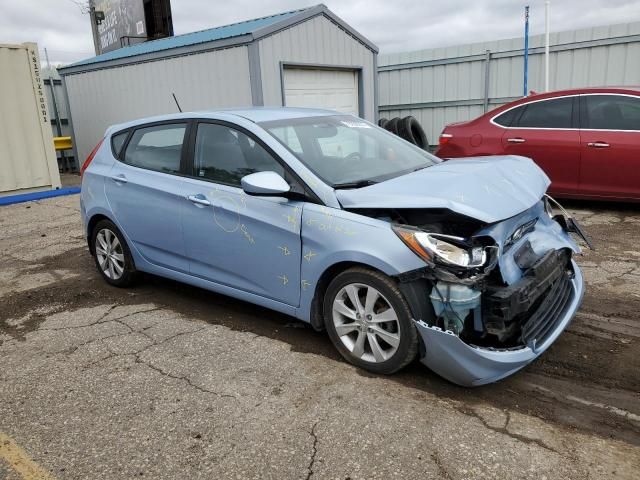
pixel 407 128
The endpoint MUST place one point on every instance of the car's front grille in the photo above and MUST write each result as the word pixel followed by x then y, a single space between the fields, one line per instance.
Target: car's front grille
pixel 554 303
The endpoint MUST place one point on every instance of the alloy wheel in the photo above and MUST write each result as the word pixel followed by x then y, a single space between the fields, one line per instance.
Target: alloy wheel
pixel 110 254
pixel 366 323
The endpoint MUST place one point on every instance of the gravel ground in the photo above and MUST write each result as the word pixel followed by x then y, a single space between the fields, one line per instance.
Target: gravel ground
pixel 168 381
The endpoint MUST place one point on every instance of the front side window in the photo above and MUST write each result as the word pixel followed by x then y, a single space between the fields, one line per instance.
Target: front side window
pixel 156 148
pixel 547 114
pixel 344 150
pixel 611 112
pixel 225 155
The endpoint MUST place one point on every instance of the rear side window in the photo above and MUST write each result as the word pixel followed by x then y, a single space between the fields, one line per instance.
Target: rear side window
pixel 547 114
pixel 507 118
pixel 610 112
pixel 156 148
pixel 117 141
pixel 225 155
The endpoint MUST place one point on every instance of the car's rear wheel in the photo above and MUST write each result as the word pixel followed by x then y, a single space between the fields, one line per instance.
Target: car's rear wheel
pixel 112 255
pixel 369 321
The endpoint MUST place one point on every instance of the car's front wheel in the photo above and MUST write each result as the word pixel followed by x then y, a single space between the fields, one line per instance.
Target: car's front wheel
pixel 369 321
pixel 112 254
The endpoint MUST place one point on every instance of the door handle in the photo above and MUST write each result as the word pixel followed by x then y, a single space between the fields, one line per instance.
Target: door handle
pixel 516 140
pixel 199 199
pixel 598 145
pixel 120 178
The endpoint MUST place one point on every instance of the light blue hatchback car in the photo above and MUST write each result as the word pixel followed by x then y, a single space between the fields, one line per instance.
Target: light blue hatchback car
pixel 341 224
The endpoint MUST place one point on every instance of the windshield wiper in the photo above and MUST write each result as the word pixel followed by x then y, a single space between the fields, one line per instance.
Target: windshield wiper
pixel 356 184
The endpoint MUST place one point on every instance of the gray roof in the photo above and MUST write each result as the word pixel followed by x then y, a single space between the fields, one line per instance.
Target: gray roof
pixel 224 36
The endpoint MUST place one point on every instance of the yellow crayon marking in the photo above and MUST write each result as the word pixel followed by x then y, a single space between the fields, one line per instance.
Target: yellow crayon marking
pixel 246 233
pixel 309 255
pixel 284 279
pixel 20 461
pixel 305 284
pixel 285 250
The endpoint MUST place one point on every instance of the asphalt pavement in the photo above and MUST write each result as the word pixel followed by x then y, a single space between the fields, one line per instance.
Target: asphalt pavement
pixel 168 381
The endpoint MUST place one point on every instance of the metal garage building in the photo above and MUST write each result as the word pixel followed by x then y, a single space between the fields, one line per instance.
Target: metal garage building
pixel 307 57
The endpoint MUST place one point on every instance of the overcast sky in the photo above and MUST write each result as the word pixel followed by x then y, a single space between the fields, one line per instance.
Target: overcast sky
pixel 394 25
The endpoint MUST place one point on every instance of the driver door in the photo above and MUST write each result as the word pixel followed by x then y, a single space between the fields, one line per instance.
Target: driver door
pixel 250 243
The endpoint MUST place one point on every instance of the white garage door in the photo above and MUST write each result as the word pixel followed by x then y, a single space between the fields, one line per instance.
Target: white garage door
pixel 331 89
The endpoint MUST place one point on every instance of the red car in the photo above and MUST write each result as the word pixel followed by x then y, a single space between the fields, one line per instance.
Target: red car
pixel 586 140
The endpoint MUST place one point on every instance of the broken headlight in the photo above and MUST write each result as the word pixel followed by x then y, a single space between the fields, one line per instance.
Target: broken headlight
pixel 445 248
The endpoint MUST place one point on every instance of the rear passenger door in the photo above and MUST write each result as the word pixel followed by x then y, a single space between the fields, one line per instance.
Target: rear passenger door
pixel 547 132
pixel 249 243
pixel 146 193
pixel 610 137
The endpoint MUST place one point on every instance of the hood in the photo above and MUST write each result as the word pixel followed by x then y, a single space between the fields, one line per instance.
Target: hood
pixel 489 189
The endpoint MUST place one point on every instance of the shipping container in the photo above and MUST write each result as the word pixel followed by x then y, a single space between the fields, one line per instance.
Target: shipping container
pixel 27 157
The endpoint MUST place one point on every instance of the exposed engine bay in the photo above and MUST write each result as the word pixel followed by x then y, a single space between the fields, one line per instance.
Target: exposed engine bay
pixel 496 286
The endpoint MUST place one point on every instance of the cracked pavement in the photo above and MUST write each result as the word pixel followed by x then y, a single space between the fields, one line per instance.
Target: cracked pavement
pixel 168 381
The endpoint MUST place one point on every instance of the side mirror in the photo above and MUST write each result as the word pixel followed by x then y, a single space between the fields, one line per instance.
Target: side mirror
pixel 268 184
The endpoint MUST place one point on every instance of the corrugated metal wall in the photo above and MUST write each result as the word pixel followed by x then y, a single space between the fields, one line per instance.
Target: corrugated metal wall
pixel 299 44
pixel 105 97
pixel 65 127
pixel 444 85
pixel 27 158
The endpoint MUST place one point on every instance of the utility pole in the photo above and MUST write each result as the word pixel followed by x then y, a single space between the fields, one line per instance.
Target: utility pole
pixel 94 27
pixel 547 12
pixel 526 50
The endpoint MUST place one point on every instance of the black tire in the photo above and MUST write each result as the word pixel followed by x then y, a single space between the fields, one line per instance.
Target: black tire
pixel 407 348
pixel 129 275
pixel 411 130
pixel 392 125
pixel 382 122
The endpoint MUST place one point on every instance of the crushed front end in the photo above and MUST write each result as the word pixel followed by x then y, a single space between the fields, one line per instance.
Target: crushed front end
pixel 487 313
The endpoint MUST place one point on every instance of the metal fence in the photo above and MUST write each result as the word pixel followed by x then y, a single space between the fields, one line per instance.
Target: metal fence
pixel 444 85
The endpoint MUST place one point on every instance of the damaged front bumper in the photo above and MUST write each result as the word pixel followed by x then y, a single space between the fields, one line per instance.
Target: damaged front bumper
pixel 467 365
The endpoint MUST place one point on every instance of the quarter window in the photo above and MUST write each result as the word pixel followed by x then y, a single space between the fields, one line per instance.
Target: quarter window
pixel 117 141
pixel 225 155
pixel 611 112
pixel 547 114
pixel 156 148
pixel 507 118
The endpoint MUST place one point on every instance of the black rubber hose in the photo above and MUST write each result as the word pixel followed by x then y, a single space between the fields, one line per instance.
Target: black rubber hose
pixel 382 122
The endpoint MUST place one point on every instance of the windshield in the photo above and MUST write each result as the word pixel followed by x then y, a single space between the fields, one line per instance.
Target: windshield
pixel 345 151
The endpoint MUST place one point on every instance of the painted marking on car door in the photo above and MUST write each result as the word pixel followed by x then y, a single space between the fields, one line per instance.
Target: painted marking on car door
pixel 19 460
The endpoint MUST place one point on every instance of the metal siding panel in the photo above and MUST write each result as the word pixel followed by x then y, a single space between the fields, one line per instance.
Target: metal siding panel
pixel 630 54
pixel 208 80
pixel 596 65
pixel 315 41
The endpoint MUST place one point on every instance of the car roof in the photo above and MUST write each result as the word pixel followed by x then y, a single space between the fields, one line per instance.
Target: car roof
pixel 577 91
pixel 254 114
pixel 629 90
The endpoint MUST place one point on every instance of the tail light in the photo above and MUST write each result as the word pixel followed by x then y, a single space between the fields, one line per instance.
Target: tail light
pixel 87 162
pixel 444 138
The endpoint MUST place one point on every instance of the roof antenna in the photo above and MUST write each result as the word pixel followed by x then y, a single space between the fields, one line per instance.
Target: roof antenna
pixel 176 100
